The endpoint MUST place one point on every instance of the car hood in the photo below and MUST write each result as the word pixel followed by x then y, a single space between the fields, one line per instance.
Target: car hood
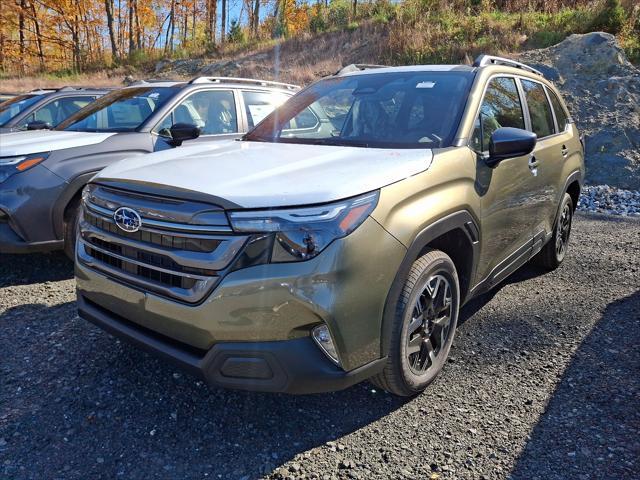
pixel 36 141
pixel 256 174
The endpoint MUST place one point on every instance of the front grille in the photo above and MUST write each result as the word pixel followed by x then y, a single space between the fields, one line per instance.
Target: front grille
pixel 163 240
pixel 182 260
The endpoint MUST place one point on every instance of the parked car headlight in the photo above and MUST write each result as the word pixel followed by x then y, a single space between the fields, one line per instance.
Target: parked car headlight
pixel 298 234
pixel 16 164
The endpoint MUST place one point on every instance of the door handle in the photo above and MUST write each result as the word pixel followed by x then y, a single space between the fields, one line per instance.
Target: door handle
pixel 564 151
pixel 533 165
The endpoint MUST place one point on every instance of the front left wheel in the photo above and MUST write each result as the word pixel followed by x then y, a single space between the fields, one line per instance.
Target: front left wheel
pixel 424 325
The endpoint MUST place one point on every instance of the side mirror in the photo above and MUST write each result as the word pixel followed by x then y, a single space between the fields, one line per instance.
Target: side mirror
pixel 507 142
pixel 38 125
pixel 181 132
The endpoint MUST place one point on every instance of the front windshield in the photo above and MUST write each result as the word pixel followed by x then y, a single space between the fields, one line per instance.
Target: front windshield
pixel 408 109
pixel 120 111
pixel 14 106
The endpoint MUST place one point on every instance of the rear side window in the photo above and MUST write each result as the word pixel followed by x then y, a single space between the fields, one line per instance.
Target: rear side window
pixel 539 108
pixel 501 107
pixel 260 104
pixel 561 114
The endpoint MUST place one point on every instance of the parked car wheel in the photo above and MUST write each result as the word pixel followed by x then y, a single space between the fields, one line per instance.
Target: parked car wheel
pixel 554 252
pixel 424 325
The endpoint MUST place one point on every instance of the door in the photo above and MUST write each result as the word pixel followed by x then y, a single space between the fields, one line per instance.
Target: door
pixel 550 153
pixel 505 190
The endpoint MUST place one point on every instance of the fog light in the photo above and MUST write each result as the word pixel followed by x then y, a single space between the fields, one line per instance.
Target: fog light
pixel 323 338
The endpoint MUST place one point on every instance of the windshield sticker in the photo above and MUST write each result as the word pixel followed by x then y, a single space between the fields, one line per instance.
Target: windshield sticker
pixel 426 85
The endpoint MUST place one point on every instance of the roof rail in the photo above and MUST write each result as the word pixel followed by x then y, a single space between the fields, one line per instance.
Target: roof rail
pixel 483 60
pixel 248 81
pixel 355 67
pixel 142 81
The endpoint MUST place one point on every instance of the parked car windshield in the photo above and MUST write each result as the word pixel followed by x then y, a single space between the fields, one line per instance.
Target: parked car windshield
pixel 408 109
pixel 120 111
pixel 14 106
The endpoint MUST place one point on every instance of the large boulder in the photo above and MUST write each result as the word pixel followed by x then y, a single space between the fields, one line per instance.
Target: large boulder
pixel 602 90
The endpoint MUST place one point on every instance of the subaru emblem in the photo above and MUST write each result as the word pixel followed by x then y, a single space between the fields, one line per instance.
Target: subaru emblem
pixel 127 219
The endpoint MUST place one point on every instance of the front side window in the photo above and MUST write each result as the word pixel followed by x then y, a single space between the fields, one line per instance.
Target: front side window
pixel 15 106
pixel 561 114
pixel 57 111
pixel 120 111
pixel 539 108
pixel 500 107
pixel 213 111
pixel 260 104
pixel 406 109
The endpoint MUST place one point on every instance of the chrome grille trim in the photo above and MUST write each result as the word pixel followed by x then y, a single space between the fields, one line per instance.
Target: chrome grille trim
pixel 150 266
pixel 107 214
pixel 191 295
pixel 214 260
pixel 170 256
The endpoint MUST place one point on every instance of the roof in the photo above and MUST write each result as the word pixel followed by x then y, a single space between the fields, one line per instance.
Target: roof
pixel 480 62
pixel 370 69
pixel 217 81
pixel 47 91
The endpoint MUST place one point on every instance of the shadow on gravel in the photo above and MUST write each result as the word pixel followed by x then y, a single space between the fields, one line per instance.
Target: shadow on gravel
pixel 591 426
pixel 527 272
pixel 95 407
pixel 34 268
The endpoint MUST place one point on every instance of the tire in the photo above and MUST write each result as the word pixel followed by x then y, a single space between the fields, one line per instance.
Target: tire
pixel 555 251
pixel 71 218
pixel 408 373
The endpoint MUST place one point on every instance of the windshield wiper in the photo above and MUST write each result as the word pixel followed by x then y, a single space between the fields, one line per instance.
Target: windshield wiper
pixel 333 141
pixel 253 138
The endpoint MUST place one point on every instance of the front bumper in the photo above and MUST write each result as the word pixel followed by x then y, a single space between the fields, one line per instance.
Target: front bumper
pixel 27 200
pixel 10 242
pixel 291 366
pixel 267 307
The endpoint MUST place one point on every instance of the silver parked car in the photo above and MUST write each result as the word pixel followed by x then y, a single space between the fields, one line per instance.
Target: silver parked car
pixel 44 109
pixel 42 172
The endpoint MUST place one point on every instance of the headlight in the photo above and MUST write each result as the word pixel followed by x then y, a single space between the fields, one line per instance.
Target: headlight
pixel 298 234
pixel 12 165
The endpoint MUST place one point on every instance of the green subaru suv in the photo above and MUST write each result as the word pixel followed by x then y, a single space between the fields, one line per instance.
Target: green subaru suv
pixel 337 241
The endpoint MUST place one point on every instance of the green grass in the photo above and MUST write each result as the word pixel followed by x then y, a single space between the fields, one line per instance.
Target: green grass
pixel 450 36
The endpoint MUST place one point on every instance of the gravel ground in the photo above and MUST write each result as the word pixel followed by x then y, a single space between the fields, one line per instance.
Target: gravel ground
pixel 543 383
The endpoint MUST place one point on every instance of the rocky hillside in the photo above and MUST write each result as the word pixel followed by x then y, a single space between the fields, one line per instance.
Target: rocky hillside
pixel 602 90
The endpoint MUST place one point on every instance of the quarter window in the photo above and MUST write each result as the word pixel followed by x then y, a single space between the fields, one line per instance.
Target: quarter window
pixel 260 104
pixel 561 114
pixel 539 108
pixel 501 107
